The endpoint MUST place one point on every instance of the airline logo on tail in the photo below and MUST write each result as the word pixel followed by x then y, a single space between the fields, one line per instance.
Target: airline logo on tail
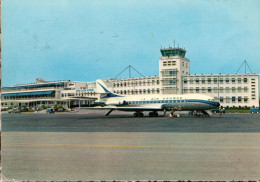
pixel 108 93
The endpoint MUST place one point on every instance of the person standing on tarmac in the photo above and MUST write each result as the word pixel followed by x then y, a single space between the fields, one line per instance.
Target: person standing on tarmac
pixel 220 112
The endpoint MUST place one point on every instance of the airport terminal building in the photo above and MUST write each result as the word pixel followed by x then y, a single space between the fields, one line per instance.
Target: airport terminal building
pixel 238 90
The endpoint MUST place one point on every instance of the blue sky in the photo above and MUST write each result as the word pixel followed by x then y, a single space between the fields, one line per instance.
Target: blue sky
pixel 84 40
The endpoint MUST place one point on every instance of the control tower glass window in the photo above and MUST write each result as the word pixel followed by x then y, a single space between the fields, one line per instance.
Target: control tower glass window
pixel 173 52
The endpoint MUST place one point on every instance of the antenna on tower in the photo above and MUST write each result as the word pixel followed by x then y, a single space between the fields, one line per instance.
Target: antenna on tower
pixel 246 65
pixel 129 69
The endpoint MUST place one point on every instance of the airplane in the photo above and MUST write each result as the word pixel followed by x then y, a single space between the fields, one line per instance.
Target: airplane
pixel 153 103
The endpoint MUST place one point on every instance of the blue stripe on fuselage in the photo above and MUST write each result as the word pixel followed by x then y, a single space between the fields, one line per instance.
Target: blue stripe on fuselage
pixel 213 103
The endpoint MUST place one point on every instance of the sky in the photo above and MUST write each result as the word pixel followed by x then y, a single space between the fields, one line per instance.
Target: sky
pixel 85 40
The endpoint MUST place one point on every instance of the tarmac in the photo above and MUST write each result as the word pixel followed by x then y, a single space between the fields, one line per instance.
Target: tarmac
pixel 91 146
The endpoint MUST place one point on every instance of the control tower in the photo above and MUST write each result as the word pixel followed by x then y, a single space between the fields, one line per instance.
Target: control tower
pixel 172 67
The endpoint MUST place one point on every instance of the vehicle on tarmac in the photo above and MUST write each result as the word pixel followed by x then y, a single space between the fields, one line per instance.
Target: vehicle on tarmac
pixel 152 103
pixel 50 111
pixel 254 110
pixel 217 110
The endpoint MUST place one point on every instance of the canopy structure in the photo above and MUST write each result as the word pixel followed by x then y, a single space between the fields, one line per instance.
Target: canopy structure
pixel 28 93
pixel 35 86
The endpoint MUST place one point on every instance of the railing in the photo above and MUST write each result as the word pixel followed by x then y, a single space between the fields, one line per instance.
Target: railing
pixel 29 89
pixel 29 98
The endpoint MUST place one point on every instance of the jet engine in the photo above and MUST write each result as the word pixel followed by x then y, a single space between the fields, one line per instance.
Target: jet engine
pixel 116 103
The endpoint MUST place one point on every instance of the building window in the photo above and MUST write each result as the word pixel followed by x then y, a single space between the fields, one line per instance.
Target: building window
pixel 185 80
pixel 221 99
pixel 197 80
pixel 172 73
pixel 203 80
pixel 172 82
pixel 227 99
pixel 233 89
pixel 215 80
pixel 191 81
pixel 233 99
pixel 233 80
pixel 245 80
pixel 191 90
pixel 227 89
pixel 227 80
pixel 203 89
pixel 164 63
pixel 215 89
pixel 197 89
pixel 158 82
pixel 185 90
pixel 245 89
pixel 245 99
pixel 209 80
pixel 221 89
pixel 239 80
pixel 221 80
pixel 239 89
pixel 209 89
pixel 239 99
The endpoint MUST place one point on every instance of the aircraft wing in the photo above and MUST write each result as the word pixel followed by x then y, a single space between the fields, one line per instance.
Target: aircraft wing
pixel 155 107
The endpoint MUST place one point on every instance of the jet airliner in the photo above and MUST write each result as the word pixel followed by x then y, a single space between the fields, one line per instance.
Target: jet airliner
pixel 153 103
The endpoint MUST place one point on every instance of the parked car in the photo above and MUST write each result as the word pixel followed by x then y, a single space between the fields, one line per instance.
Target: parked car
pixel 254 110
pixel 61 109
pixel 14 111
pixel 24 110
pixel 217 110
pixel 50 111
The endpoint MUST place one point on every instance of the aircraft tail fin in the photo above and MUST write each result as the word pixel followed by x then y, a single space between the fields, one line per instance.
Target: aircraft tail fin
pixel 104 91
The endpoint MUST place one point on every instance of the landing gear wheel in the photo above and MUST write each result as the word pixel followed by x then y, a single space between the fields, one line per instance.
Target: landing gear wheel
pixel 151 114
pixel 155 114
pixel 138 114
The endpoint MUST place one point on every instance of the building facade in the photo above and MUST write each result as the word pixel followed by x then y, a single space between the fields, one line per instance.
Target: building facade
pixel 232 90
pixel 64 93
pixel 239 90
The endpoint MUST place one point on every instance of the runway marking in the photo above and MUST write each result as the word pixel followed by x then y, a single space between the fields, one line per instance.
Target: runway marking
pixel 128 146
